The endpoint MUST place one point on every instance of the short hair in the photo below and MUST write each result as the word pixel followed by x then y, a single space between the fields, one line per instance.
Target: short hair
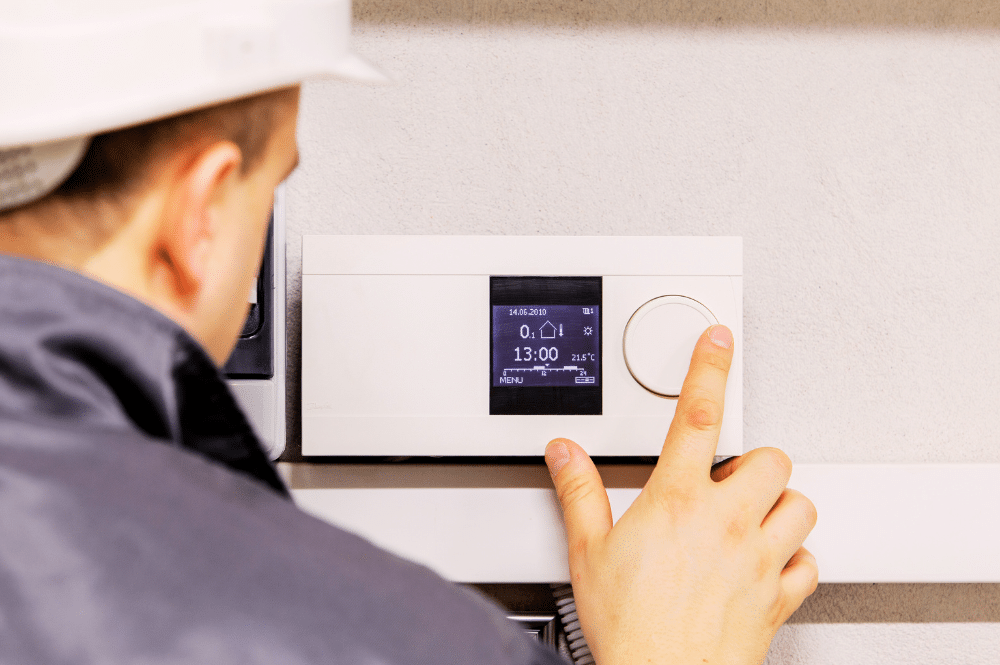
pixel 118 160
pixel 119 163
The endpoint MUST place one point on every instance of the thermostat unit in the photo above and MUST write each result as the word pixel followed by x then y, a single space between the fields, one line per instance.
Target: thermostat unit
pixel 494 345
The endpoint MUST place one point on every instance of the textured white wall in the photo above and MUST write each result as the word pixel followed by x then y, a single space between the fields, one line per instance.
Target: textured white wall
pixel 860 168
pixel 885 644
pixel 859 164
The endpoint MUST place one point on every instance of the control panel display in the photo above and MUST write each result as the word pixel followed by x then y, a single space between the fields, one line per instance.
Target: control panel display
pixel 546 345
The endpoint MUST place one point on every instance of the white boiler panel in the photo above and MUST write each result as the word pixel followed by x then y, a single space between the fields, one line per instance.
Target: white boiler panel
pixel 493 345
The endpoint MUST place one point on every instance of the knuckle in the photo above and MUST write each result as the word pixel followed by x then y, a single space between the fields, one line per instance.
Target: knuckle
pixel 701 413
pixel 801 503
pixel 677 500
pixel 807 570
pixel 809 509
pixel 717 360
pixel 737 528
pixel 574 491
pixel 813 578
pixel 577 550
pixel 778 461
pixel 765 565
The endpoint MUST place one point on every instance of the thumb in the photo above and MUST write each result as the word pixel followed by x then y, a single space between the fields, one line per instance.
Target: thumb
pixel 584 501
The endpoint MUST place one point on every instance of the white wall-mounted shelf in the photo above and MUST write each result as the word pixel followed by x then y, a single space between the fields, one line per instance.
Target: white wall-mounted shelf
pixel 877 523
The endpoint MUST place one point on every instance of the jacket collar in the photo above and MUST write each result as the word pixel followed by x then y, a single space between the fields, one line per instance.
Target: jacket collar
pixel 73 349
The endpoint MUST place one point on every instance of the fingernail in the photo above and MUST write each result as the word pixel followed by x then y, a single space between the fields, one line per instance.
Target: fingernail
pixel 556 456
pixel 721 336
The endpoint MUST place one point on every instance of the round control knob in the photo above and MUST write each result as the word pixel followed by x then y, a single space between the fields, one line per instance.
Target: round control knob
pixel 658 341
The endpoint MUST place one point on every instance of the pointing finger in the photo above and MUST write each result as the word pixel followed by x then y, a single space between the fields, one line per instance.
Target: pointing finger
pixel 694 432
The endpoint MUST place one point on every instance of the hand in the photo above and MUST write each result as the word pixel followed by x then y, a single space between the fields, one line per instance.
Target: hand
pixel 707 563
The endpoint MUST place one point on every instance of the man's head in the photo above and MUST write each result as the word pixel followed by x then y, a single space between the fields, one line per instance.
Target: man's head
pixel 173 212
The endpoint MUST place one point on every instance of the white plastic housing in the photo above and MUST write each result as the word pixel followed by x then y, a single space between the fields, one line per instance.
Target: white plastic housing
pixel 396 341
pixel 877 522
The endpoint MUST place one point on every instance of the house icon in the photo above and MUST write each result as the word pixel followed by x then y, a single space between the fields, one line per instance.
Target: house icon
pixel 548 331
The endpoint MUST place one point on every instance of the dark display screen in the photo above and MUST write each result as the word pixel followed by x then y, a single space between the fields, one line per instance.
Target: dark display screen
pixel 546 345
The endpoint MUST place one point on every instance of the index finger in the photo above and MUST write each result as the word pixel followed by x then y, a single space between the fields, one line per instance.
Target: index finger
pixel 689 448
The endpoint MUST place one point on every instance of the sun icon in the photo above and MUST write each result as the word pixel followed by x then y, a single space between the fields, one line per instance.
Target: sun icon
pixel 587 330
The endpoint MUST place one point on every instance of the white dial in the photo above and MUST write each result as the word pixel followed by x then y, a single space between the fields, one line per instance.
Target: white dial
pixel 659 339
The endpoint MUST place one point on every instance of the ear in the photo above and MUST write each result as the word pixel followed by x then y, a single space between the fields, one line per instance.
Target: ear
pixel 202 188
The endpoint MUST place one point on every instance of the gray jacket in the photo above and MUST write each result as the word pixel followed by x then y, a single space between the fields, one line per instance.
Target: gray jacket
pixel 140 521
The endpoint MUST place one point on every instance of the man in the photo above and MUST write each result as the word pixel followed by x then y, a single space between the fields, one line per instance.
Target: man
pixel 141 521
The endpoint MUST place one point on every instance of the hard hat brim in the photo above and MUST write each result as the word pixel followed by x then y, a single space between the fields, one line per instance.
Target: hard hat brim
pixel 91 76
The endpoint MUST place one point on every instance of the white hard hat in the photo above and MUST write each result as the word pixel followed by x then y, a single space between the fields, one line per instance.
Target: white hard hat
pixel 75 68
